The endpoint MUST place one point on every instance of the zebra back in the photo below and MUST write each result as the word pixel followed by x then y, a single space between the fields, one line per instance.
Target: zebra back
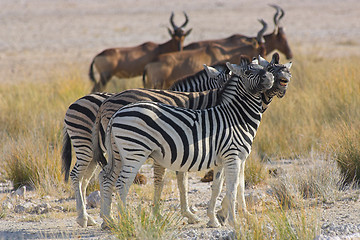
pixel 78 123
pixel 203 80
pixel 188 140
pixel 192 100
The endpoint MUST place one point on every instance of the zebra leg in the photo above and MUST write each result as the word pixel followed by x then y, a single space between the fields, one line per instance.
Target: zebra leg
pixel 183 185
pixel 222 214
pixel 129 168
pixel 232 169
pixel 77 181
pixel 216 189
pixel 241 189
pixel 159 172
pixel 107 183
pixel 89 173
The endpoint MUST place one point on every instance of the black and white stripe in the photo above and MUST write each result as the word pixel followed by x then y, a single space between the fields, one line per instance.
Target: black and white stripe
pixel 187 140
pixel 80 121
pixel 201 82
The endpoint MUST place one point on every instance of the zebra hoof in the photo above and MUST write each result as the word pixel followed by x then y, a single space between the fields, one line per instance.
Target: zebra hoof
pixel 91 221
pixel 83 222
pixel 213 224
pixel 193 219
pixel 105 226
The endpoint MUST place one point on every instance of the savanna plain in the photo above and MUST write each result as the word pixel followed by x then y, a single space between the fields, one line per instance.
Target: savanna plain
pixel 302 177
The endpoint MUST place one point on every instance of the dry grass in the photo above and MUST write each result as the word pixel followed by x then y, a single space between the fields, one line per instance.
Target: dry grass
pixel 31 121
pixel 142 222
pixel 276 223
pixel 322 95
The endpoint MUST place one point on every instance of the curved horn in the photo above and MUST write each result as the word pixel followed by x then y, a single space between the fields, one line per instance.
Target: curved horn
pixel 172 21
pixel 276 20
pixel 260 34
pixel 186 20
pixel 276 15
pixel 282 14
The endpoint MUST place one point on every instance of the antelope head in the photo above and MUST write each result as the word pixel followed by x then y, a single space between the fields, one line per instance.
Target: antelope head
pixel 278 40
pixel 178 34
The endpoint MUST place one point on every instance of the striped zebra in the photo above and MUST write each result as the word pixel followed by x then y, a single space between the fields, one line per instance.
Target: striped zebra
pixel 78 123
pixel 189 140
pixel 282 77
pixel 115 102
pixel 215 76
pixel 80 120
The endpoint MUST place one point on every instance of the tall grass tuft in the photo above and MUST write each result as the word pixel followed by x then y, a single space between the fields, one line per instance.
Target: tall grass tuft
pixel 255 170
pixel 347 152
pixel 316 178
pixel 276 223
pixel 143 223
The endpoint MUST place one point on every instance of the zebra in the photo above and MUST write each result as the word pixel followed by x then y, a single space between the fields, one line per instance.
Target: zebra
pixel 189 140
pixel 215 76
pixel 79 122
pixel 115 102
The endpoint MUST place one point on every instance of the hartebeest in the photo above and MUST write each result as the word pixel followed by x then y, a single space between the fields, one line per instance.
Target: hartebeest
pixel 130 61
pixel 173 66
pixel 274 40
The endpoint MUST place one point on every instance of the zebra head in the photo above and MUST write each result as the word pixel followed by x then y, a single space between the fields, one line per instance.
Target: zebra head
pixel 218 73
pixel 281 74
pixel 254 78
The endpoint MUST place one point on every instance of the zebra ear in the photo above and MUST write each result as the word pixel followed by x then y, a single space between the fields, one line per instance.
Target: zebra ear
pixel 288 65
pixel 263 62
pixel 234 68
pixel 211 72
pixel 255 61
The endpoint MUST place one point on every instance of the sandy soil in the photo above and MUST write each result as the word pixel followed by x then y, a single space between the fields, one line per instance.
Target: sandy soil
pixel 41 39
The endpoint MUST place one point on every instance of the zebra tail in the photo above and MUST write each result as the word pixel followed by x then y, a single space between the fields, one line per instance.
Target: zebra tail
pixel 66 155
pixel 109 149
pixel 91 71
pixel 98 155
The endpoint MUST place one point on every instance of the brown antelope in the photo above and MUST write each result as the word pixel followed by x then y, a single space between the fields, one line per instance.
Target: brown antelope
pixel 173 66
pixel 130 61
pixel 274 40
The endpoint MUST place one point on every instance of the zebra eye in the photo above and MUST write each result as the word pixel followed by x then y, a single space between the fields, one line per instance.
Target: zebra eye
pixel 247 72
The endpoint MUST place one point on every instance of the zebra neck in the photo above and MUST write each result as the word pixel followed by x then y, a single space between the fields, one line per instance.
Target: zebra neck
pixel 234 91
pixel 266 100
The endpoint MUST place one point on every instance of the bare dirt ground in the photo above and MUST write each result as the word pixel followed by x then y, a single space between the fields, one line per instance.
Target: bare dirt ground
pixel 41 39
